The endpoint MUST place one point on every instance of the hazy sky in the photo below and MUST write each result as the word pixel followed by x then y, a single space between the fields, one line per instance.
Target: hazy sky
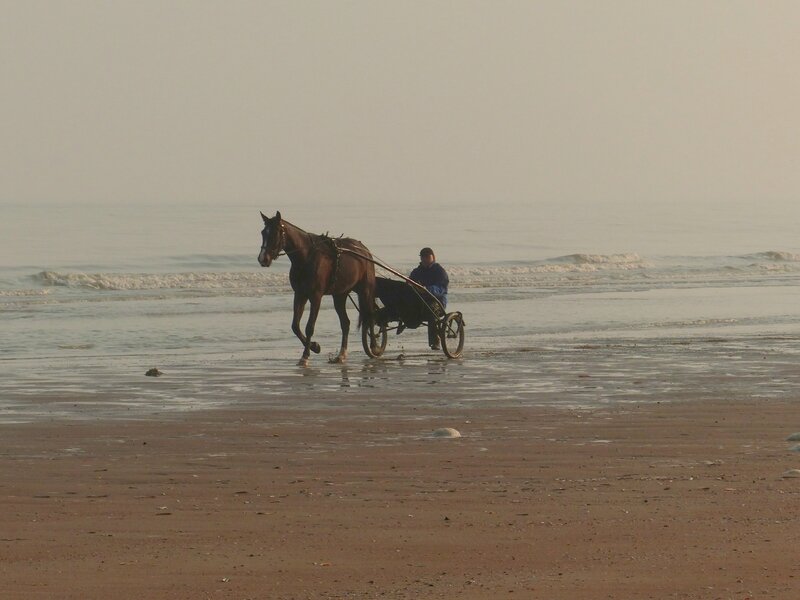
pixel 371 102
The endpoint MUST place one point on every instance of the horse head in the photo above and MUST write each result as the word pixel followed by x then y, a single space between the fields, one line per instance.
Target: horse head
pixel 273 237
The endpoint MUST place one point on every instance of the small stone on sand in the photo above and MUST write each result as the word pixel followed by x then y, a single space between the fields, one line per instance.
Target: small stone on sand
pixel 795 448
pixel 791 473
pixel 795 437
pixel 447 432
pixel 154 373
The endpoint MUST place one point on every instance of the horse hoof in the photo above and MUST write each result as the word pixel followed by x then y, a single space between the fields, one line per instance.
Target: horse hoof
pixel 314 347
pixel 303 362
pixel 337 360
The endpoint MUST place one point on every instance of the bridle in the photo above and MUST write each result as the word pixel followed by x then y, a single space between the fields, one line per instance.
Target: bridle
pixel 279 245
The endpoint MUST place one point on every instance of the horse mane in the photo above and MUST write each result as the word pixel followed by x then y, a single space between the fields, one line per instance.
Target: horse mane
pixel 325 239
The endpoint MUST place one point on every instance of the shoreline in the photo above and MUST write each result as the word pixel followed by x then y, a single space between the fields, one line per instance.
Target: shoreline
pixel 570 374
pixel 624 501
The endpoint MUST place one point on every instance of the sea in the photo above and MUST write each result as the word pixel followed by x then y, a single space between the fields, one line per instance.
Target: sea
pixel 566 304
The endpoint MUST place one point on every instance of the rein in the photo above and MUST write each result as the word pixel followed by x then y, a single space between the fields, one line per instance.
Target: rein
pixel 418 288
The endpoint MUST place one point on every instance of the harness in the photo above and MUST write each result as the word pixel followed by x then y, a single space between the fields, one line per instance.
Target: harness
pixel 326 239
pixel 337 254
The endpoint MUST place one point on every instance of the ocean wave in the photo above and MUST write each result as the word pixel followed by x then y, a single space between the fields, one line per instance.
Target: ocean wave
pixel 149 281
pixel 201 262
pixel 564 266
pixel 242 281
pixel 623 261
pixel 23 293
pixel 774 256
pixel 569 272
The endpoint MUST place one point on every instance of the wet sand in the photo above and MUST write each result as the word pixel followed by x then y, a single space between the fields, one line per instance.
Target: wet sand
pixel 664 500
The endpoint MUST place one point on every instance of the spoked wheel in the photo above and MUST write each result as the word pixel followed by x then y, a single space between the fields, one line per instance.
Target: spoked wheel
pixel 373 338
pixel 452 334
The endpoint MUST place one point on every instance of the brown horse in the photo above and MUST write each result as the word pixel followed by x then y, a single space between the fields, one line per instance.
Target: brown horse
pixel 320 268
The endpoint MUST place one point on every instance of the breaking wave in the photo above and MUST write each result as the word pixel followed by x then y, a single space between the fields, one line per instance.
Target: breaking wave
pixel 569 270
pixel 147 281
pixel 620 261
pixel 231 281
pixel 571 267
pixel 23 292
pixel 774 256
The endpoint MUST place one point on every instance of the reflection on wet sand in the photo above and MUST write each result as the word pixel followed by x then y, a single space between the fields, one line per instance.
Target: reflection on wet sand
pixel 565 375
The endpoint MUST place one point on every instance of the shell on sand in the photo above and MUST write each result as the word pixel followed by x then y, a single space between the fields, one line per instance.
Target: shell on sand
pixel 447 432
pixel 795 437
pixel 791 473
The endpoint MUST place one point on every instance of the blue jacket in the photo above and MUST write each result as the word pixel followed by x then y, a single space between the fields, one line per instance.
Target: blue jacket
pixel 435 280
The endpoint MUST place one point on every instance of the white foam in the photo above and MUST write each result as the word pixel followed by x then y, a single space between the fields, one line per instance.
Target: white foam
pixel 775 255
pixel 615 260
pixel 150 281
pixel 24 292
pixel 592 272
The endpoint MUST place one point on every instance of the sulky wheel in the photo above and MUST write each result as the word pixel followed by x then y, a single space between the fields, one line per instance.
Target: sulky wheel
pixel 452 334
pixel 373 338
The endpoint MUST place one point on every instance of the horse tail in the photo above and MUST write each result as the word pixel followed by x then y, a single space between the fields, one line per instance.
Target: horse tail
pixel 366 299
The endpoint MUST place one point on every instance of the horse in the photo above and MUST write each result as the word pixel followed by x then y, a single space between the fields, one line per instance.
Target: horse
pixel 321 266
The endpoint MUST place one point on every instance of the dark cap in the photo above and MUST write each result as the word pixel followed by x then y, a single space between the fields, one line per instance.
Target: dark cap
pixel 426 252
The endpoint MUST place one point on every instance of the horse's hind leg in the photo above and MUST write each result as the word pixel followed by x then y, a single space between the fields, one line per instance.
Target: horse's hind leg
pixel 340 304
pixel 299 307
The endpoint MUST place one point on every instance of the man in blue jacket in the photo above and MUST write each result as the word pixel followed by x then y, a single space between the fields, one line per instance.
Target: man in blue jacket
pixel 433 276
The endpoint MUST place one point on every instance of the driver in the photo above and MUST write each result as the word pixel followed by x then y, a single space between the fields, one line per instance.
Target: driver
pixel 432 275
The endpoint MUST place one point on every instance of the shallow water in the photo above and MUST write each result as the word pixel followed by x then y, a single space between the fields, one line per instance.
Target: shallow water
pixel 558 311
pixel 563 374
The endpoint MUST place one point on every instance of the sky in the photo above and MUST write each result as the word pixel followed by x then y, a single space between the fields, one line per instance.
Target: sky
pixel 375 103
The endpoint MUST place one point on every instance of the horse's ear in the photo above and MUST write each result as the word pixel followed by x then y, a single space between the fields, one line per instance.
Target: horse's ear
pixel 265 217
pixel 278 215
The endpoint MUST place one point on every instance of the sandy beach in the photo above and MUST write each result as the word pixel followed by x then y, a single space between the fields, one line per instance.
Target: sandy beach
pixel 683 500
pixel 609 192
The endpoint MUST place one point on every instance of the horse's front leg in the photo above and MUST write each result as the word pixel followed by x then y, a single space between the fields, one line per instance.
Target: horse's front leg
pixel 340 304
pixel 299 307
pixel 313 313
